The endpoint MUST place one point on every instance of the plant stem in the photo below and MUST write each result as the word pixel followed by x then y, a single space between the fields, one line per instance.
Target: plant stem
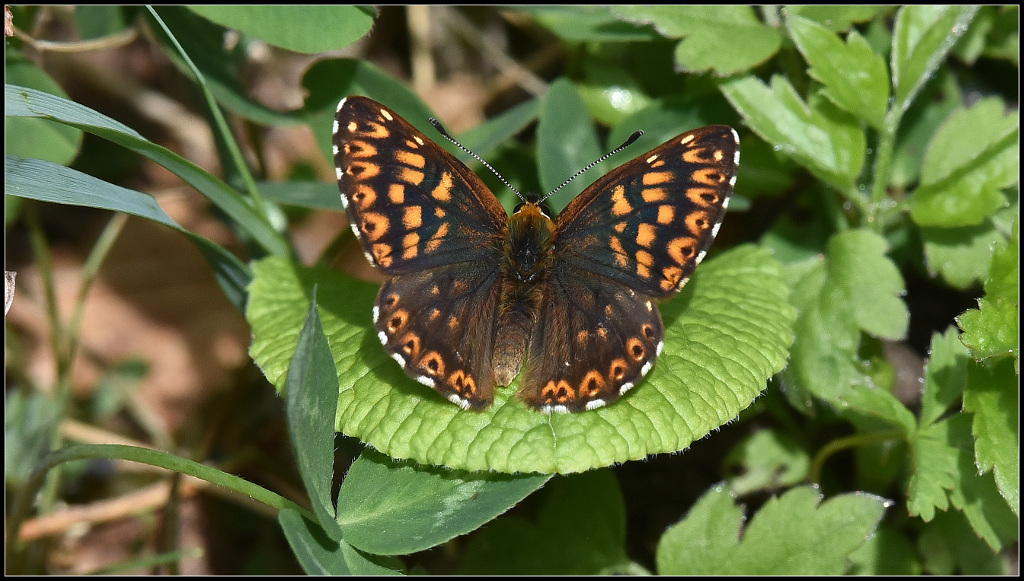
pixel 883 165
pixel 845 443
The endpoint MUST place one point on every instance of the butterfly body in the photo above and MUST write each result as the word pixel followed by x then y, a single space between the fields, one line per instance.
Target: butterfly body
pixel 476 298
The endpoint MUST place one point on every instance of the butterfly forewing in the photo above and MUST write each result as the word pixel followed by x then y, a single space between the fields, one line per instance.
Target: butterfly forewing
pixel 649 222
pixel 411 203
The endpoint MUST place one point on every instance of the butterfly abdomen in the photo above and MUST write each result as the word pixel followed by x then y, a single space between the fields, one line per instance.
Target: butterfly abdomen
pixel 527 258
pixel 512 335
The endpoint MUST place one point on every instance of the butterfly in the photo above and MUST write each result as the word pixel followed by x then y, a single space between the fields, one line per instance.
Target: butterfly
pixel 475 297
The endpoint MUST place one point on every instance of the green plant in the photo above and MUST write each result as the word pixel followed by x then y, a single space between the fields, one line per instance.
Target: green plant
pixel 879 168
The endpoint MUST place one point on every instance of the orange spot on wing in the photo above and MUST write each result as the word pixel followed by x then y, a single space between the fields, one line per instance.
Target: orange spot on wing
pixel 412 217
pixel 411 176
pixel 666 214
pixel 411 245
pixel 698 222
pixel 410 158
pixel 653 178
pixel 592 384
pixel 382 254
pixel 396 193
pixel 621 258
pixel 362 170
pixel 645 235
pixel 374 225
pixel 710 176
pixel 682 249
pixel 671 275
pixel 644 260
pixel 360 149
pixel 435 241
pixel 620 205
pixel 443 191
pixel 655 195
pixel 364 196
pixel 695 155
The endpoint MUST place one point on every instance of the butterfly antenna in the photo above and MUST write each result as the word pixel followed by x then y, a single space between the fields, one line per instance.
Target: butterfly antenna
pixel 440 129
pixel 636 135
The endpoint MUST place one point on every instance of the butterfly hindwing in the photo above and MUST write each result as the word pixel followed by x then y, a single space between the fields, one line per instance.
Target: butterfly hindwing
pixel 412 205
pixel 599 338
pixel 649 222
pixel 439 325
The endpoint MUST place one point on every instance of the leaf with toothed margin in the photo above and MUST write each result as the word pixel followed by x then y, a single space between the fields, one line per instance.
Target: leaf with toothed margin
pixel 726 333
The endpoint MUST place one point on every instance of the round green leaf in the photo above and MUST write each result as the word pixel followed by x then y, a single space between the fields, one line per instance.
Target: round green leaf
pixel 725 335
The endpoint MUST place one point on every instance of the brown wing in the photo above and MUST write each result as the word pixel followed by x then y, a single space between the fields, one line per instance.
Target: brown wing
pixel 412 205
pixel 649 222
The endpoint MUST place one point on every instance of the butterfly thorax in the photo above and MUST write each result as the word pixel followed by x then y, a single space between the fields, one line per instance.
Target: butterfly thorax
pixel 527 248
pixel 526 258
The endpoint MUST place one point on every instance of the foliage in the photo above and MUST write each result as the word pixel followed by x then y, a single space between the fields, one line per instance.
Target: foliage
pixel 880 163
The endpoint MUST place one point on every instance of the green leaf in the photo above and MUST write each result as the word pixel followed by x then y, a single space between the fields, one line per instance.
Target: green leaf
pixel 819 137
pixel 24 102
pixel 945 376
pixel 961 255
pixel 314 195
pixel 580 529
pixel 922 38
pixel 918 126
pixel 880 404
pixel 766 460
pixel 835 18
pixel 887 552
pixel 726 333
pixel 315 550
pixel 30 419
pixel 976 493
pixel 994 328
pixel 320 555
pixel 972 156
pixel 32 137
pixel 587 23
pixel 854 76
pixel 857 287
pixel 994 398
pixel 709 35
pixel 307 29
pixel 949 546
pixel 784 538
pixel 934 465
pixel 312 405
pixel 870 283
pixel 420 507
pixel 610 87
pixel 41 180
pixel 566 142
